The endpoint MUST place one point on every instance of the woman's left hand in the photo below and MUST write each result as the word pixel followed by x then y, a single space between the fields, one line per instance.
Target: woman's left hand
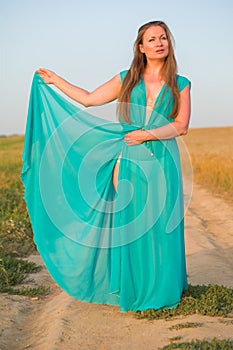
pixel 136 137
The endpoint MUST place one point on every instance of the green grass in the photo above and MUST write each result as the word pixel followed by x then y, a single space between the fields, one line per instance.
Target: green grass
pixel 27 291
pixel 211 300
pixel 178 337
pixel 186 325
pixel 14 271
pixel 16 237
pixel 15 228
pixel 215 344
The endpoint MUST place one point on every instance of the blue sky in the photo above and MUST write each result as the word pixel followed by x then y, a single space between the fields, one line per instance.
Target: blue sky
pixel 88 42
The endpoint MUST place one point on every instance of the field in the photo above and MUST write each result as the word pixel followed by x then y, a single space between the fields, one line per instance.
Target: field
pixel 14 219
pixel 211 152
pixel 15 228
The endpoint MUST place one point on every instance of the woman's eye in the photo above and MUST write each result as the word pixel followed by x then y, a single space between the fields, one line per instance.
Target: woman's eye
pixel 164 38
pixel 151 40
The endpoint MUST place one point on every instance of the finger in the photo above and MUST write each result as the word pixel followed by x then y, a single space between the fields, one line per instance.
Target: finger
pixel 131 143
pixel 44 71
pixel 39 70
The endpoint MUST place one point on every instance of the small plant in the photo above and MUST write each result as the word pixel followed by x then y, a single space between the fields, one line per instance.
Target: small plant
pixel 178 337
pixel 13 271
pixel 215 344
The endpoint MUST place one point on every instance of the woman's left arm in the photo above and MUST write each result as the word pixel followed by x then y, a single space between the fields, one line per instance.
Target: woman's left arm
pixel 176 128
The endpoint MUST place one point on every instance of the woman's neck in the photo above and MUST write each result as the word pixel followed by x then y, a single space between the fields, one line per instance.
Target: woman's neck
pixel 153 68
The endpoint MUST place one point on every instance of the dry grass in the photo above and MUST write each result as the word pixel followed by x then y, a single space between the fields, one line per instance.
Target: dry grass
pixel 211 151
pixel 15 228
pixel 11 149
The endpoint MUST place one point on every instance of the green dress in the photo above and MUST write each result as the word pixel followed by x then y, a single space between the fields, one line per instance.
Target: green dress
pixel 123 247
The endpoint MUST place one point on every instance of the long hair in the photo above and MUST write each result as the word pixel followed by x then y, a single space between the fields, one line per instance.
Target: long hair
pixel 138 65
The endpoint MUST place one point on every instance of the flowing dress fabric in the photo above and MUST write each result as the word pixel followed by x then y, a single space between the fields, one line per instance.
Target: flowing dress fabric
pixel 123 247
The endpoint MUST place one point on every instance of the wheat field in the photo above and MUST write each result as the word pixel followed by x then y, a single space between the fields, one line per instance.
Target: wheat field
pixel 211 152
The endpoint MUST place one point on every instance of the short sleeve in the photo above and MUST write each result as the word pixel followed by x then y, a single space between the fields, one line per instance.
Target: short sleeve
pixel 182 82
pixel 123 74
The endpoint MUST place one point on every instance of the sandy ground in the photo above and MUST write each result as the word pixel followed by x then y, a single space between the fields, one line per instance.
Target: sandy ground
pixel 59 322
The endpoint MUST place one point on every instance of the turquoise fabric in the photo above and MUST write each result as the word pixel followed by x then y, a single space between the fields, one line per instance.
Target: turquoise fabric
pixel 123 247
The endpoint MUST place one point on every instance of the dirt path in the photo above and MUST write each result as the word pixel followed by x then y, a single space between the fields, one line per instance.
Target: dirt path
pixel 59 322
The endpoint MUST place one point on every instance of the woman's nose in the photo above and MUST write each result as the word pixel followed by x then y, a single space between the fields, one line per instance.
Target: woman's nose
pixel 158 42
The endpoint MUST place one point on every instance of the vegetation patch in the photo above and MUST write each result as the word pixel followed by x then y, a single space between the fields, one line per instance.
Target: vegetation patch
pixel 27 291
pixel 211 300
pixel 178 337
pixel 16 238
pixel 13 271
pixel 186 325
pixel 215 344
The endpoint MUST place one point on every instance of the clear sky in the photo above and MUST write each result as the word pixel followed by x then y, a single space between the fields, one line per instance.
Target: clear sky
pixel 88 42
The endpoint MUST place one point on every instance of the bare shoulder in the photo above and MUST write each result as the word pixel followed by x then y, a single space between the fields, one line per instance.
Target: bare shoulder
pixel 107 92
pixel 116 79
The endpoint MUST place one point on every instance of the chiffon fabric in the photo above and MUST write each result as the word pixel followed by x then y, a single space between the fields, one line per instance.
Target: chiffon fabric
pixel 121 246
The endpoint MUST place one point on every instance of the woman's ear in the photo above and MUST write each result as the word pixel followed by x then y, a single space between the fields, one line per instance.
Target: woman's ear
pixel 141 48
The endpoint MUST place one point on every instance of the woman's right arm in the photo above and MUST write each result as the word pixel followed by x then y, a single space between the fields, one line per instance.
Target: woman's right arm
pixel 105 93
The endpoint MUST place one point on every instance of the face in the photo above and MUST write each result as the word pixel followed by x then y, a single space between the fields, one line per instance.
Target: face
pixel 155 43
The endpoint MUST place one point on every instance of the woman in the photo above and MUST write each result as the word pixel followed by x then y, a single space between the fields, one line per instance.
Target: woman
pixel 124 242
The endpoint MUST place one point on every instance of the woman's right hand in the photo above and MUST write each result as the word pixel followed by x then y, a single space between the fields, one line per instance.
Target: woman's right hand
pixel 47 75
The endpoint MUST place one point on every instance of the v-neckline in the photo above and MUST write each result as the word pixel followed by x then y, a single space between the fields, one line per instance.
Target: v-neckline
pixel 146 122
pixel 157 97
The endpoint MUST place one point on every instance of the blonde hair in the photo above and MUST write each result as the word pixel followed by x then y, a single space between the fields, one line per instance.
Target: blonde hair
pixel 138 65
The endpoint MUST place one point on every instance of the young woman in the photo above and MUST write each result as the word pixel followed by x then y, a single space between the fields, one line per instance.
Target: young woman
pixel 124 243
